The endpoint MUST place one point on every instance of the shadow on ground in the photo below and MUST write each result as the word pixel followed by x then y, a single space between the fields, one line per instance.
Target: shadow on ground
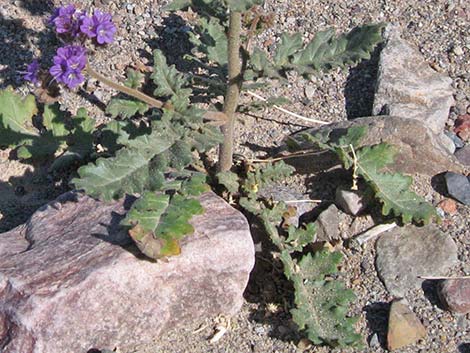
pixel 360 86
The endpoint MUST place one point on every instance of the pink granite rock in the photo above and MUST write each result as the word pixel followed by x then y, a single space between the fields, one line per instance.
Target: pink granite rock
pixel 71 280
pixel 455 295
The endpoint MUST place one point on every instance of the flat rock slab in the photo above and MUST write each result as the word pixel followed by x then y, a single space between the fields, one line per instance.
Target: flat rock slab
pixel 404 253
pixel 419 149
pixel 408 87
pixel 71 279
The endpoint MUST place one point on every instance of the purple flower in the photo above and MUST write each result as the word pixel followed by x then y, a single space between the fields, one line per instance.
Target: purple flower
pixel 100 25
pixel 69 62
pixel 32 72
pixel 67 20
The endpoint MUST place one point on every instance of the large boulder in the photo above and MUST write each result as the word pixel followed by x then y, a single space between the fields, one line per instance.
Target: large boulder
pixel 71 279
pixel 408 87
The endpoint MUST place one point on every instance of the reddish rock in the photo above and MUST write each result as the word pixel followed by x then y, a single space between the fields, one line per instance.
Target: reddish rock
pixel 71 279
pixel 462 127
pixel 448 205
pixel 455 295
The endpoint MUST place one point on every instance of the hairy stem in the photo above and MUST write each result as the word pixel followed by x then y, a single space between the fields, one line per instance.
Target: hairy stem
pixel 124 89
pixel 233 91
pixel 219 118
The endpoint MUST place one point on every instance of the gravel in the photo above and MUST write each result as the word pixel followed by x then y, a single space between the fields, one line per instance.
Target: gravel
pixel 440 29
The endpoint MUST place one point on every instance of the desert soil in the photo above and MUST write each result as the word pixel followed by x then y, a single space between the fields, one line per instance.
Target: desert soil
pixel 441 31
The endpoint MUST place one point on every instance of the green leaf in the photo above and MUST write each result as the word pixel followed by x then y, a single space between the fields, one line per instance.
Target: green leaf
pixel 16 113
pixel 260 63
pixel 169 81
pixel 298 238
pixel 134 79
pixel 229 180
pixel 325 52
pixel 159 221
pixel 321 305
pixel 290 44
pixel 130 171
pixel 50 141
pixel 392 191
pixel 125 108
pixel 176 5
pixel 243 5
pixel 54 120
pixel 80 141
pixel 211 40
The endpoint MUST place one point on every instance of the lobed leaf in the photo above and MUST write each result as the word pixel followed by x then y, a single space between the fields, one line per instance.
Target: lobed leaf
pixel 130 171
pixel 158 221
pixel 125 108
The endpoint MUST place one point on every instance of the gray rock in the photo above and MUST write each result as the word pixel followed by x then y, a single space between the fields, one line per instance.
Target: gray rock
pixel 458 143
pixel 404 253
pixel 458 186
pixel 328 224
pixel 463 155
pixel 419 150
pixel 350 201
pixel 374 341
pixel 408 87
pixel 455 295
pixel 71 279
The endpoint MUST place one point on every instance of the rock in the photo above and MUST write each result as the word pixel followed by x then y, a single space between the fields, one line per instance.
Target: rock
pixel 404 328
pixel 77 282
pixel 462 127
pixel 448 205
pixel 328 225
pixel 404 253
pixel 463 155
pixel 458 143
pixel 350 201
pixel 374 341
pixel 458 186
pixel 455 295
pixel 408 87
pixel 419 149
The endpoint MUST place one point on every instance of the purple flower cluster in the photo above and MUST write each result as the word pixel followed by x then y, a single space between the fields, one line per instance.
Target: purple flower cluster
pixel 74 27
pixel 67 20
pixel 69 63
pixel 70 21
pixel 99 26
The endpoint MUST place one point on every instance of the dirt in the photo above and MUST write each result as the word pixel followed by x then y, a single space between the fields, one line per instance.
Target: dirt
pixel 441 30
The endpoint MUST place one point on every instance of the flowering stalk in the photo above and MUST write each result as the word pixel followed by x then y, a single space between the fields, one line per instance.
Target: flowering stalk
pixel 155 103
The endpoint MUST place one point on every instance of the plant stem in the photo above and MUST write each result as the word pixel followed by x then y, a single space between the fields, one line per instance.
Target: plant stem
pixel 124 89
pixel 233 91
pixel 219 118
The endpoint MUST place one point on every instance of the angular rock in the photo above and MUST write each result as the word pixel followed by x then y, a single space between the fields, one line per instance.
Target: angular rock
pixel 458 186
pixel 419 150
pixel 463 155
pixel 455 295
pixel 404 328
pixel 404 253
pixel 327 224
pixel 78 282
pixel 458 143
pixel 350 201
pixel 408 87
